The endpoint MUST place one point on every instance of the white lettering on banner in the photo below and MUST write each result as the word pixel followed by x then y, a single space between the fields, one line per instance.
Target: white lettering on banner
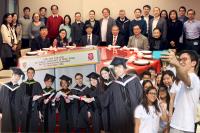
pixel 62 59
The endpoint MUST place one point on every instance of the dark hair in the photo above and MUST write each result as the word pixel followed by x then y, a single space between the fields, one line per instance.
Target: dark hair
pixel 138 9
pixel 182 7
pixel 157 29
pixel 165 12
pixel 145 101
pixel 34 15
pixel 152 68
pixel 173 11
pixel 102 80
pixel 167 72
pixel 147 81
pixel 53 6
pixel 108 10
pixel 165 89
pixel 41 8
pixel 191 10
pixel 67 16
pixel 43 27
pixel 13 14
pixel 92 11
pixel 78 74
pixel 193 55
pixel 138 26
pixel 31 68
pixel 148 6
pixel 77 13
pixel 26 8
pixel 146 73
pixel 5 19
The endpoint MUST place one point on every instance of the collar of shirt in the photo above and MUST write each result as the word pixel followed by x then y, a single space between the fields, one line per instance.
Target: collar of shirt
pixel 55 16
pixel 122 19
pixel 191 21
pixel 106 18
pixel 78 22
pixel 89 35
pixel 122 76
pixel 138 18
pixel 92 20
pixel 115 36
pixel 26 17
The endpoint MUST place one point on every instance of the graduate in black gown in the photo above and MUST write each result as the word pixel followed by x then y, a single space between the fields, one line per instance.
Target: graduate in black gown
pixel 123 95
pixel 63 104
pixel 95 106
pixel 49 108
pixel 106 79
pixel 31 111
pixel 9 103
pixel 79 109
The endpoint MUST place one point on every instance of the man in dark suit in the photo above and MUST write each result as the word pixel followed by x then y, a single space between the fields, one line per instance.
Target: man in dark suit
pixel 146 16
pixel 77 29
pixel 41 41
pixel 89 38
pixel 94 23
pixel 123 23
pixel 106 24
pixel 115 38
pixel 158 22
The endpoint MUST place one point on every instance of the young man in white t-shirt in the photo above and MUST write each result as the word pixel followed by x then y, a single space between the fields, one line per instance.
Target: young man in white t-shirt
pixel 183 119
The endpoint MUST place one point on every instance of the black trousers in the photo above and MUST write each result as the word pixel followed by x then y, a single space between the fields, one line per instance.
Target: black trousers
pixel 25 43
pixel 193 44
pixel 8 62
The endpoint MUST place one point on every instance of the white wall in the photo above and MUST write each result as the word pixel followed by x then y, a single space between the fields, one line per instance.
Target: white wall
pixel 71 6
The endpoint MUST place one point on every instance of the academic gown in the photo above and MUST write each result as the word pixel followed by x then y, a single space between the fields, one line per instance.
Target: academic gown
pixel 95 109
pixel 105 111
pixel 122 97
pixel 9 107
pixel 30 109
pixel 63 109
pixel 49 112
pixel 78 110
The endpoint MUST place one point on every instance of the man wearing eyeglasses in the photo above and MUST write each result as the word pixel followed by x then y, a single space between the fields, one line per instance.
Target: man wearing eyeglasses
pixel 183 118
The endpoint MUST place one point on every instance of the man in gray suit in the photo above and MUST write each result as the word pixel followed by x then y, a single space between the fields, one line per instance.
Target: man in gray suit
pixel 106 24
pixel 158 22
pixel 138 40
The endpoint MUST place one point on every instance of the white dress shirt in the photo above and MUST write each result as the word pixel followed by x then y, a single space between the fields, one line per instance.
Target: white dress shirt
pixel 155 22
pixel 104 26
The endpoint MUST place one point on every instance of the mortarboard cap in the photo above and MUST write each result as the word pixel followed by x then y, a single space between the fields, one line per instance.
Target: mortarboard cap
pixel 66 78
pixel 49 76
pixel 118 61
pixel 93 75
pixel 18 71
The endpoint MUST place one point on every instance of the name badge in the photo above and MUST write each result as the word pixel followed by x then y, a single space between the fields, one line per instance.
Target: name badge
pixel 195 43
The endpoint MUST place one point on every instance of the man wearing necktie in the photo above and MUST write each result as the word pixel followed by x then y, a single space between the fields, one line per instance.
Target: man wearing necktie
pixel 89 38
pixel 116 38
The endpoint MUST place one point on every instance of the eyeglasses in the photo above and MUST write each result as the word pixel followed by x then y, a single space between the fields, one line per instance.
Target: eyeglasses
pixel 153 93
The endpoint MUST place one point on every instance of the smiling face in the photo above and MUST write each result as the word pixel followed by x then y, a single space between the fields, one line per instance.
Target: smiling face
pixel 115 30
pixel 146 11
pixel 79 80
pixel 186 61
pixel 9 19
pixel 30 74
pixel 43 32
pixel 14 18
pixel 156 12
pixel 152 96
pixel 137 14
pixel 36 17
pixel 78 17
pixel 156 33
pixel 91 15
pixel 62 34
pixel 119 70
pixel 167 80
pixel 173 16
pixel 64 84
pixel 105 75
pixel 105 13
pixel 15 78
pixel 48 83
pixel 93 82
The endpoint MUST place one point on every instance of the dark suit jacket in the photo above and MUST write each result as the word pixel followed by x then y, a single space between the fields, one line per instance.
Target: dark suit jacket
pixel 38 43
pixel 111 23
pixel 96 28
pixel 77 32
pixel 95 40
pixel 162 25
pixel 120 40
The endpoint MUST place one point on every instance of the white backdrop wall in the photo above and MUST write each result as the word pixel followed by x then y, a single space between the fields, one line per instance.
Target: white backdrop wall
pixel 84 6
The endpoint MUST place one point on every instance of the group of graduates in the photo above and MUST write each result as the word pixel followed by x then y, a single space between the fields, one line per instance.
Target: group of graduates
pixel 104 106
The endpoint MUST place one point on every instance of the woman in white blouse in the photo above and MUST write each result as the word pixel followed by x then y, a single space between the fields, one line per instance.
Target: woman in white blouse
pixel 149 112
pixel 9 42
